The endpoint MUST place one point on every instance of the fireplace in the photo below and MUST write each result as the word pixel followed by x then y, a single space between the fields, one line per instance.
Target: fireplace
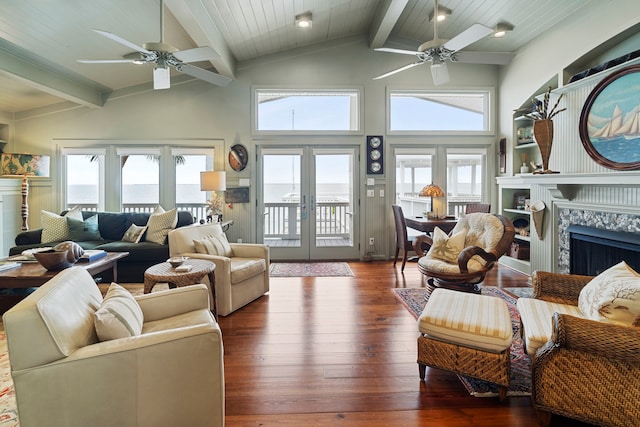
pixel 593 250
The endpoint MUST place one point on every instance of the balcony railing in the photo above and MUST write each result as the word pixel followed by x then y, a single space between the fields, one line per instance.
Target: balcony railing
pixel 282 220
pixel 198 210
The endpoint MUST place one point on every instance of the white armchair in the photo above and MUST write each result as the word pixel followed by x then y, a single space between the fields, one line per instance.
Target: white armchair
pixel 171 374
pixel 242 269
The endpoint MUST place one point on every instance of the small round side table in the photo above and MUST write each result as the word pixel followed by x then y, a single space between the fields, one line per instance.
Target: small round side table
pixel 165 273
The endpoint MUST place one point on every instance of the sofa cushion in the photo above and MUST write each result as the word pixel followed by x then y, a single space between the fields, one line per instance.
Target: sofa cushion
pixel 119 315
pixel 245 268
pixel 536 318
pixel 214 245
pixel 447 248
pixel 54 226
pixel 159 225
pixel 134 233
pixel 142 251
pixel 80 231
pixel 112 226
pixel 613 296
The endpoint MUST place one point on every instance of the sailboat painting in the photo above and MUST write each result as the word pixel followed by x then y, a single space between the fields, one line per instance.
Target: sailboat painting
pixel 610 120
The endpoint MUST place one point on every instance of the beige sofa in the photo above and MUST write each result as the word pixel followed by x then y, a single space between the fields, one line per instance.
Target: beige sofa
pixel 171 374
pixel 242 269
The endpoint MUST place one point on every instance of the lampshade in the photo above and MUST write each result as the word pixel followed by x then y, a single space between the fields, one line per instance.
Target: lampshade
pixel 213 181
pixel 25 165
pixel 431 190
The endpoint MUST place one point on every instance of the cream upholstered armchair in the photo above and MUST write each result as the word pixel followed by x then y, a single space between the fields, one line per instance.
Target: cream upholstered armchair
pixel 461 259
pixel 169 372
pixel 242 269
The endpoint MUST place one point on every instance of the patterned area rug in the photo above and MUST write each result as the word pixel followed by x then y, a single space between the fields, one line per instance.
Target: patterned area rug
pixel 8 408
pixel 310 269
pixel 414 299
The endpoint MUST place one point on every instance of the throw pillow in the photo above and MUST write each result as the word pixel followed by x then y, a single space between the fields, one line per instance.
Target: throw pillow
pixel 160 224
pixel 214 245
pixel 119 315
pixel 447 248
pixel 54 226
pixel 134 233
pixel 613 296
pixel 83 231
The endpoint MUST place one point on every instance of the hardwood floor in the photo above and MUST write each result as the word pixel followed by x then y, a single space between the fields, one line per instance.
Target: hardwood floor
pixel 333 351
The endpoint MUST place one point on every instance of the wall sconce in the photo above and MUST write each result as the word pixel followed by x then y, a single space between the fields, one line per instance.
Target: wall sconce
pixel 24 166
pixel 501 29
pixel 304 20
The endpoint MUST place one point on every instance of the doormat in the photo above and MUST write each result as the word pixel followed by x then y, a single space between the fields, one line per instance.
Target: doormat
pixel 310 269
pixel 414 299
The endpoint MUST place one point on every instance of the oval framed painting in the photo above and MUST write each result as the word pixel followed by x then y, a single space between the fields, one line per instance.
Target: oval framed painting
pixel 610 120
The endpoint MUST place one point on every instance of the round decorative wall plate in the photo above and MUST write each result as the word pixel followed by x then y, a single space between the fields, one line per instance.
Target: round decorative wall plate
pixel 375 142
pixel 238 157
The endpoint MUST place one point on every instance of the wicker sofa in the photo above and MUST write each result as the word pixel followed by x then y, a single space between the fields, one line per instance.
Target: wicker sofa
pixel 112 227
pixel 586 369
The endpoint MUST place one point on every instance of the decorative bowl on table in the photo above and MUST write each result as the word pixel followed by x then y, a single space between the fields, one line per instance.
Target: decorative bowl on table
pixel 177 260
pixel 53 260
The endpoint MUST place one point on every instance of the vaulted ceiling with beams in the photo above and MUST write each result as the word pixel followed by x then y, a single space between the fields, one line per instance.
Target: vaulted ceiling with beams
pixel 41 41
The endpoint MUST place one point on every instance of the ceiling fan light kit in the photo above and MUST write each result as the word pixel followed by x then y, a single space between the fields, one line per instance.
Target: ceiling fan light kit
pixel 164 56
pixel 439 51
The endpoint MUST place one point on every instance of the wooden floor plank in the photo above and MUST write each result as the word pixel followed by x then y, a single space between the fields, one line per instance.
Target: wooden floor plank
pixel 341 351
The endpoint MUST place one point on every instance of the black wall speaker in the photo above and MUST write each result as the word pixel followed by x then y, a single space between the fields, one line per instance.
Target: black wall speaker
pixel 375 155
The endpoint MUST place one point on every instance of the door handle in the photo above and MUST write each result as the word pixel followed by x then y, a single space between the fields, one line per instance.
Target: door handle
pixel 303 208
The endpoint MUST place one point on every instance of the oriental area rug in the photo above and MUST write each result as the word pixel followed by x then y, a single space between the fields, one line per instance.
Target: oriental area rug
pixel 414 300
pixel 310 269
pixel 8 408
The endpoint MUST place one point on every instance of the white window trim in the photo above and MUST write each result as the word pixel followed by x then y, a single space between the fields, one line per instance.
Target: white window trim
pixel 489 117
pixel 260 133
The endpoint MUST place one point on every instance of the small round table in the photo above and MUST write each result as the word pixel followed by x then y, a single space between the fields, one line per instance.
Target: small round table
pixel 165 273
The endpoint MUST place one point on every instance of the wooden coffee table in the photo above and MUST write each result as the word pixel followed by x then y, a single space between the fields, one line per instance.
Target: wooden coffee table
pixel 32 274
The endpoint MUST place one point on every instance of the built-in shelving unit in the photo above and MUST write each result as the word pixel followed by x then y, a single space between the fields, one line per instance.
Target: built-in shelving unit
pixel 510 195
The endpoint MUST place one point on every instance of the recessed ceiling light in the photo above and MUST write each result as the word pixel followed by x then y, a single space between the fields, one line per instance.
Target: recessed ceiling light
pixel 443 12
pixel 304 20
pixel 502 29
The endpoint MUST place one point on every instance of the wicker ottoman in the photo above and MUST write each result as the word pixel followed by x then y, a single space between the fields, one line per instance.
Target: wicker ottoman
pixel 468 334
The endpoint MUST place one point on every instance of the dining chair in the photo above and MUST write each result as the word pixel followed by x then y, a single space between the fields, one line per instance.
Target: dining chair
pixel 403 241
pixel 477 207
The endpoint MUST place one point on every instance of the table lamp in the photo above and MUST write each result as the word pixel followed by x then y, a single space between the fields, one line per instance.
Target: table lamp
pixel 432 190
pixel 24 166
pixel 214 181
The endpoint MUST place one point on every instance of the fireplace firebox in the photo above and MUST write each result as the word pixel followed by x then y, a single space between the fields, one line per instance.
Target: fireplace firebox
pixel 593 250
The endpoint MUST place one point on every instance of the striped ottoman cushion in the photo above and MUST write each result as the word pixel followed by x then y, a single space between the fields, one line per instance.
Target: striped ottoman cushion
pixel 469 320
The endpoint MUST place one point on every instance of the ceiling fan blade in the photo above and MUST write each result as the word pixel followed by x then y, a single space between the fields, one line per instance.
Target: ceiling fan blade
pixel 197 54
pixel 402 51
pixel 440 73
pixel 202 74
pixel 499 58
pixel 406 67
pixel 467 37
pixel 106 61
pixel 123 41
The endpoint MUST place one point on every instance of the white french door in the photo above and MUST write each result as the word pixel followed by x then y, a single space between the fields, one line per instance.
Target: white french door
pixel 308 200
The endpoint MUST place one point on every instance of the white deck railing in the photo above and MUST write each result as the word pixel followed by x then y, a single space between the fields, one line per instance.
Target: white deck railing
pixel 282 220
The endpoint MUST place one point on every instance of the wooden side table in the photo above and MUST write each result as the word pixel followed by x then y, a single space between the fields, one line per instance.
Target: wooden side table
pixel 165 273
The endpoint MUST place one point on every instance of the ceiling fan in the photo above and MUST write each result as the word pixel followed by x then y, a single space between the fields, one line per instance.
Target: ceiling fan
pixel 164 55
pixel 439 51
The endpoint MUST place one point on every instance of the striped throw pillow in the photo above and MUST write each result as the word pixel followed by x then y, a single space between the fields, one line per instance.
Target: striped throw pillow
pixel 54 226
pixel 159 225
pixel 214 245
pixel 119 315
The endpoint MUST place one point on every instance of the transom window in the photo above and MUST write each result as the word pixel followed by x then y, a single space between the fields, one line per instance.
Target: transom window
pixel 294 110
pixel 424 111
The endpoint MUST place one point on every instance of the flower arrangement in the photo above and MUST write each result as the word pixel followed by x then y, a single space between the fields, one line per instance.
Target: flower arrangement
pixel 540 109
pixel 214 204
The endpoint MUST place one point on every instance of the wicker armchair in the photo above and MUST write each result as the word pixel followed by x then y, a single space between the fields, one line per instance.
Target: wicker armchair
pixel 588 370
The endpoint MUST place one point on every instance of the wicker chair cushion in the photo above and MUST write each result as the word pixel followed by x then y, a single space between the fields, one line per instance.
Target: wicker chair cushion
pixel 536 317
pixel 447 248
pixel 439 266
pixel 613 296
pixel 469 320
pixel 482 230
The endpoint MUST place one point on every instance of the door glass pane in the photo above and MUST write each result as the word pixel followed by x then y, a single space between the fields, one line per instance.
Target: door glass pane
pixel 140 182
pixel 333 200
pixel 413 172
pixel 188 194
pixel 83 181
pixel 464 181
pixel 281 193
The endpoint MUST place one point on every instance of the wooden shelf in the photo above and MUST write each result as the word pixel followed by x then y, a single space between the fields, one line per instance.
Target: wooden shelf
pixel 518 211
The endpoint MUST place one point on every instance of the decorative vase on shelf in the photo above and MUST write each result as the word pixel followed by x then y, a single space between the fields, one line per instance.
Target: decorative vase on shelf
pixel 524 168
pixel 543 134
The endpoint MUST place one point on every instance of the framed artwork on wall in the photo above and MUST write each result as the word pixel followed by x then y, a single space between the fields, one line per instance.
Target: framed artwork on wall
pixel 610 120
